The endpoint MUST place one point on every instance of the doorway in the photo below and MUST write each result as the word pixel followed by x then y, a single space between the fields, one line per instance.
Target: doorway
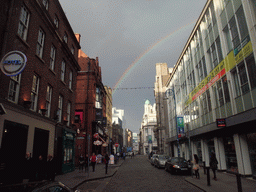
pixel 41 140
pixel 13 151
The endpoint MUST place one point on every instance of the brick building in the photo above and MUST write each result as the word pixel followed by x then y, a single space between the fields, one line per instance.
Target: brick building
pixel 39 101
pixel 90 105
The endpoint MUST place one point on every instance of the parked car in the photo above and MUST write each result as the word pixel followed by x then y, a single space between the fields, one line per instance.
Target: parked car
pixel 160 161
pixel 152 159
pixel 46 186
pixel 178 165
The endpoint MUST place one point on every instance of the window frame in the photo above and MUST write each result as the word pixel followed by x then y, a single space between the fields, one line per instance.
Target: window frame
pixel 34 92
pixel 40 43
pixel 46 4
pixel 48 100
pixel 52 57
pixel 68 113
pixel 60 108
pixel 16 82
pixel 63 69
pixel 22 24
pixel 70 82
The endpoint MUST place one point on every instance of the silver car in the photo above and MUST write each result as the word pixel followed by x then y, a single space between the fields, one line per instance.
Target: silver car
pixel 152 159
pixel 160 161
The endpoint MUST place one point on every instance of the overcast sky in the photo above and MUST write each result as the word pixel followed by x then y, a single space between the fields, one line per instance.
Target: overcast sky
pixel 130 37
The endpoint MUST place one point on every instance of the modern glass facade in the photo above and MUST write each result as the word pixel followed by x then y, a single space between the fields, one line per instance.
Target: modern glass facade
pixel 214 78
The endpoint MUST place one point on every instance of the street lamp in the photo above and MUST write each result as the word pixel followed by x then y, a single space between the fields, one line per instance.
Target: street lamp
pixel 168 93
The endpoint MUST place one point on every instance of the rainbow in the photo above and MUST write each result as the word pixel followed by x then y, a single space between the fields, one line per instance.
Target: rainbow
pixel 146 52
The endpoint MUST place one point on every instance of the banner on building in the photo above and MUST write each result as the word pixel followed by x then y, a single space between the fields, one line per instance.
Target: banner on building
pixel 180 126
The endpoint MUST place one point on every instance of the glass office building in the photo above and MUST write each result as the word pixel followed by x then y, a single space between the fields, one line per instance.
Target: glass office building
pixel 215 79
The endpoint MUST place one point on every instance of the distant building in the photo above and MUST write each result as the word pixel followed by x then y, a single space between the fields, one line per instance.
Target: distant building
pixel 135 142
pixel 148 140
pixel 117 129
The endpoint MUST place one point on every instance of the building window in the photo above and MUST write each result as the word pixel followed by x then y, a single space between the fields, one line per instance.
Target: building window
pixel 40 43
pixel 236 83
pixel 68 113
pixel 228 38
pixel 243 78
pixel 63 67
pixel 220 93
pixel 60 105
pixel 252 71
pixel 34 92
pixel 14 88
pixel 234 32
pixel 65 37
pixel 72 50
pixel 52 57
pixel 70 80
pixel 46 4
pixel 242 23
pixel 225 88
pixel 56 22
pixel 209 100
pixel 23 24
pixel 48 100
pixel 218 45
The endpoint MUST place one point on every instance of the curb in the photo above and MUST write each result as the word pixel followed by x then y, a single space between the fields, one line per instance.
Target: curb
pixel 98 178
pixel 195 185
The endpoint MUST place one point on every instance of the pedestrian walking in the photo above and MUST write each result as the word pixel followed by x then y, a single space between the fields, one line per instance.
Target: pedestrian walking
pixel 196 166
pixel 51 168
pixel 93 160
pixel 40 168
pixel 106 159
pixel 124 155
pixel 132 154
pixel 213 164
pixel 28 168
pixel 86 164
pixel 81 163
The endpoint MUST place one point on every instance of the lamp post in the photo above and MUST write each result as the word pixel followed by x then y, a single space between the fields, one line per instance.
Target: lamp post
pixel 177 132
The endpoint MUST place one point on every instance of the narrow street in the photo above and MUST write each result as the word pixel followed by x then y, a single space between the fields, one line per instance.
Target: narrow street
pixel 139 175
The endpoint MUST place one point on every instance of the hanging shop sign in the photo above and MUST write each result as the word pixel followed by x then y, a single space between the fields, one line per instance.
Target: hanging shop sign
pixel 13 63
pixel 221 122
pixel 116 144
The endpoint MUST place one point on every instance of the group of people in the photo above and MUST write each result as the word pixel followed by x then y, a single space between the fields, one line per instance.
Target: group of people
pixel 83 162
pixel 38 169
pixel 213 165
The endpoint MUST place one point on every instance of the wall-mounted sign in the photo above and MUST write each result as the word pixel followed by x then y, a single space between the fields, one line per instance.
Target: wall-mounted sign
pixel 221 122
pixel 180 126
pixel 13 63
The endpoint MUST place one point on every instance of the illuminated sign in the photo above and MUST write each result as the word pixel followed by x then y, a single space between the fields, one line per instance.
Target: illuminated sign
pixel 221 122
pixel 13 63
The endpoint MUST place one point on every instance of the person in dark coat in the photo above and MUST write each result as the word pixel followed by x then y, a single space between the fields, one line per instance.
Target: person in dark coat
pixel 213 165
pixel 86 166
pixel 40 169
pixel 28 168
pixel 106 159
pixel 50 166
pixel 81 163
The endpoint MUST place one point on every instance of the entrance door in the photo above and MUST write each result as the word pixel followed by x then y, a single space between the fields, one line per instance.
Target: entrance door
pixel 41 140
pixel 13 151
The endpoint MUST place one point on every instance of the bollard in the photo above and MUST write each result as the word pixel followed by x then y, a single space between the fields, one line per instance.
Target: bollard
pixel 239 184
pixel 204 167
pixel 208 176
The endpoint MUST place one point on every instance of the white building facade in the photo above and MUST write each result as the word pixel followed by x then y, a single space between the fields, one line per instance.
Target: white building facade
pixel 148 141
pixel 214 82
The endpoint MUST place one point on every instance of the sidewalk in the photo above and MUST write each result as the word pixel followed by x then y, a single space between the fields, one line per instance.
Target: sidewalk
pixel 75 179
pixel 225 182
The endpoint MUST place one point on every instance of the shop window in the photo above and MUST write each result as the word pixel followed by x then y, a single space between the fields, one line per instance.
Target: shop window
pixel 225 88
pixel 242 22
pixel 219 49
pixel 251 71
pixel 34 92
pixel 230 154
pixel 236 82
pixel 243 78
pixel 14 88
pixel 23 23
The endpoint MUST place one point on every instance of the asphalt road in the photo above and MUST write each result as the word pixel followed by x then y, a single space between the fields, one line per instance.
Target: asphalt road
pixel 138 174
